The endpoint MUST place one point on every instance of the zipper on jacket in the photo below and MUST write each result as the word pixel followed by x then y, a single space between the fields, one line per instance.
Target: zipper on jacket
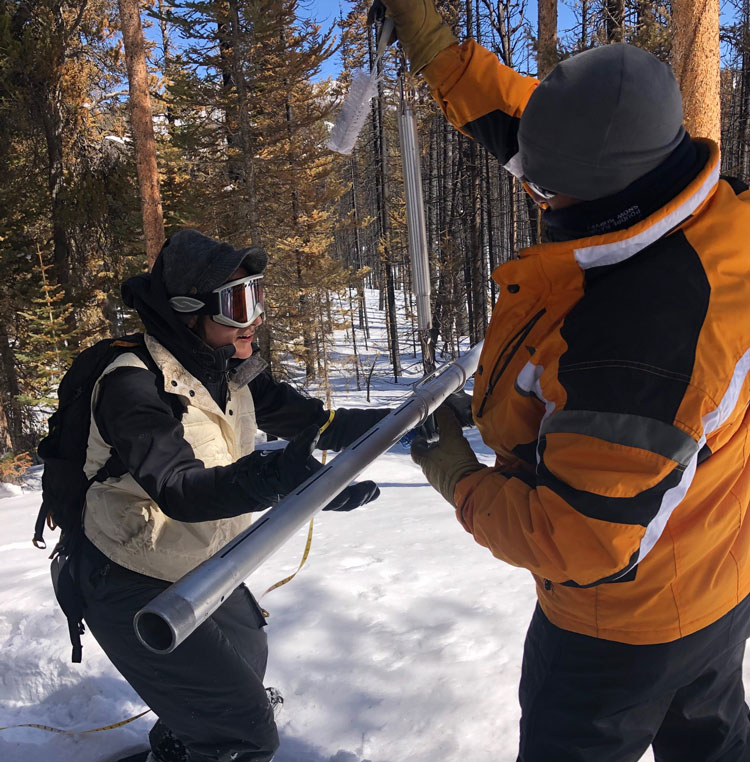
pixel 227 375
pixel 519 337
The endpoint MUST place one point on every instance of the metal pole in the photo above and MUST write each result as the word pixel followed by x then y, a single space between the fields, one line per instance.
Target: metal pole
pixel 175 613
pixel 415 222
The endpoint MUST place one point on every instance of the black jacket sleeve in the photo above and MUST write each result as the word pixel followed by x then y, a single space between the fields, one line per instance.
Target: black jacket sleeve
pixel 348 425
pixel 147 437
pixel 282 411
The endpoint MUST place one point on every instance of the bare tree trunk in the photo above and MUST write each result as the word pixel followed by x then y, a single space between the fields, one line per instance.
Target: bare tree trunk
pixel 354 337
pixel 307 325
pixel 546 46
pixel 141 122
pixel 164 8
pixel 584 40
pixel 52 122
pixel 743 134
pixel 246 146
pixel 5 441
pixel 695 53
pixel 615 20
pixel 12 411
pixel 362 305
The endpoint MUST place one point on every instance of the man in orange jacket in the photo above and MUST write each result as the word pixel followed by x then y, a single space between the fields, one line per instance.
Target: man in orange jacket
pixel 614 388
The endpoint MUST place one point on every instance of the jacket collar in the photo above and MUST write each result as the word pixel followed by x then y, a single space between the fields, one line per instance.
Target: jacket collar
pixel 178 380
pixel 618 246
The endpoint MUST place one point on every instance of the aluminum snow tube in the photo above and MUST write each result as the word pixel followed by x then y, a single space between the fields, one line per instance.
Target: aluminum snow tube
pixel 417 232
pixel 175 613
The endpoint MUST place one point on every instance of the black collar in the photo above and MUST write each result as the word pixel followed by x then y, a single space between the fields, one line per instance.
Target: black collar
pixel 636 202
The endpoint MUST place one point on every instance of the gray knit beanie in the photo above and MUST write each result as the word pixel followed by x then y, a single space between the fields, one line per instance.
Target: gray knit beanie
pixel 197 264
pixel 599 121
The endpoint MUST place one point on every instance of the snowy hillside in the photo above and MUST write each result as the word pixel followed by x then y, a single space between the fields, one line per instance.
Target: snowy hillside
pixel 400 640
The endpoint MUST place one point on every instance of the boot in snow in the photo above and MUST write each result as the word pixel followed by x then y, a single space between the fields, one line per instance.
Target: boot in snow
pixel 275 699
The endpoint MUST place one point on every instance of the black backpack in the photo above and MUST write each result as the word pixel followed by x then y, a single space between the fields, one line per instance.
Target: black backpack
pixel 64 483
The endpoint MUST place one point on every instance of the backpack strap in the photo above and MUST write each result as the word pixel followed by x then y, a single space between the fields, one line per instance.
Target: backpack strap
pixel 135 345
pixel 66 555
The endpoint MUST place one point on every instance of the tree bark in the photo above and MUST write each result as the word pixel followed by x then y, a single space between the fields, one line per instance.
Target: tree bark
pixel 695 53
pixel 13 417
pixel 743 134
pixel 615 20
pixel 141 121
pixel 52 121
pixel 546 46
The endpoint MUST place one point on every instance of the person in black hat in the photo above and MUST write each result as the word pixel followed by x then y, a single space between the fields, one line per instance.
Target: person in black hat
pixel 613 386
pixel 182 416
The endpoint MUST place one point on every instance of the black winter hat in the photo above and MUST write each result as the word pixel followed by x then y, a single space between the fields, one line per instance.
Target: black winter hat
pixel 599 121
pixel 193 263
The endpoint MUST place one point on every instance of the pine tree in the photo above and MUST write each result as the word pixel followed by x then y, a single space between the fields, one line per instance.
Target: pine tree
pixel 45 343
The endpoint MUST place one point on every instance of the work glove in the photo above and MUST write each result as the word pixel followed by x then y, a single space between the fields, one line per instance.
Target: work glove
pixel 419 27
pixel 460 403
pixel 284 470
pixel 447 461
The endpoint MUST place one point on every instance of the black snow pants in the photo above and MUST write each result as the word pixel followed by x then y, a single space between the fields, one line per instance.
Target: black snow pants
pixel 589 700
pixel 208 693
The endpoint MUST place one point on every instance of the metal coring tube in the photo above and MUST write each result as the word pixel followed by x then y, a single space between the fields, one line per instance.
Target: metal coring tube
pixel 175 613
pixel 417 235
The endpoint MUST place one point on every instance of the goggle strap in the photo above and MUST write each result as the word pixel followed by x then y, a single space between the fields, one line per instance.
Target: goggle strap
pixel 197 304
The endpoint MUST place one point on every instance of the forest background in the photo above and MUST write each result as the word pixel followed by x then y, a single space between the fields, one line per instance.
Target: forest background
pixel 123 121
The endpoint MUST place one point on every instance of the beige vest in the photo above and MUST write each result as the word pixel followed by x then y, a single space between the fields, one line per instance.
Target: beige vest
pixel 124 522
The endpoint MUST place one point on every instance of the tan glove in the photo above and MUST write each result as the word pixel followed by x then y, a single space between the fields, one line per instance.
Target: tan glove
pixel 420 28
pixel 445 463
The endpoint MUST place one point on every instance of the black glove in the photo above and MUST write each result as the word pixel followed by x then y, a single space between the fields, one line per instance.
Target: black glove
pixel 376 15
pixel 376 12
pixel 348 425
pixel 354 496
pixel 283 470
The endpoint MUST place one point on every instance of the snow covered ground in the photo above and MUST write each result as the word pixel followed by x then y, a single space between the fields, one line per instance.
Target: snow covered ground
pixel 400 640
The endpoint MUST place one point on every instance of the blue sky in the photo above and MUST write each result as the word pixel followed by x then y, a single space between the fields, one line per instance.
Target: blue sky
pixel 327 11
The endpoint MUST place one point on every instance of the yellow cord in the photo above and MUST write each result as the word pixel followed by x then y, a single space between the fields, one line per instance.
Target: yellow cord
pixel 77 732
pixel 308 544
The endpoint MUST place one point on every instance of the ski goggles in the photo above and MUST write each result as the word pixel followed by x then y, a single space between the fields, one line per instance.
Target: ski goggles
pixel 236 304
pixel 538 190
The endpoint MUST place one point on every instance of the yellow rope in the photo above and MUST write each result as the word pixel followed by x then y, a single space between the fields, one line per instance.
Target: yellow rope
pixel 77 732
pixel 305 555
pixel 308 544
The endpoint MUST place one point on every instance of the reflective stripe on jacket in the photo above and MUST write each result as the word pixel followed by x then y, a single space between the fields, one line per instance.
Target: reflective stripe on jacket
pixel 613 387
pixel 124 522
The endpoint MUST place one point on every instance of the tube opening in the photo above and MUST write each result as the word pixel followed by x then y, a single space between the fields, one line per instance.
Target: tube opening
pixel 154 632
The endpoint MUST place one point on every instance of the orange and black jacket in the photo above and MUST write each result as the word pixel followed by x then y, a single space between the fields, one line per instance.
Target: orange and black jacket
pixel 614 389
